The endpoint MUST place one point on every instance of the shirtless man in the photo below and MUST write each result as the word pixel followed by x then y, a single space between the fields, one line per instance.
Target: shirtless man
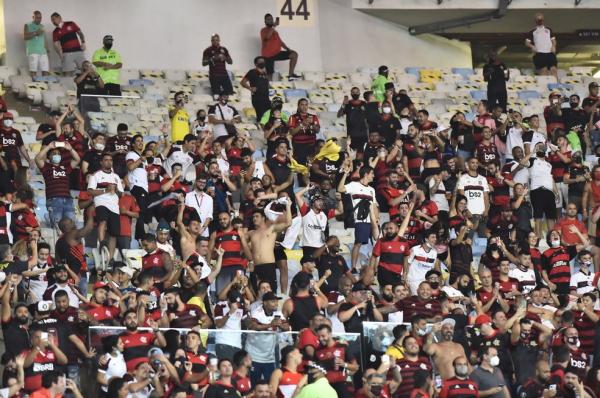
pixel 188 234
pixel 69 246
pixel 262 243
pixel 445 352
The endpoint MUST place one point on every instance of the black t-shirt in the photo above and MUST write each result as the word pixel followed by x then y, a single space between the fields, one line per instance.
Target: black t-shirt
pixel 389 129
pixel 354 324
pixel 219 390
pixel 93 158
pixel 401 101
pixel 464 136
pixel 15 267
pixel 574 117
pixel 356 118
pixel 338 266
pixel 89 85
pixel 494 75
pixel 576 188
pixel 372 113
pixel 59 330
pixel 16 338
pixel 45 128
pixel 260 81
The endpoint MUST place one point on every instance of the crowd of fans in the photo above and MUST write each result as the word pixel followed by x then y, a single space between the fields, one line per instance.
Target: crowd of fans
pixel 477 241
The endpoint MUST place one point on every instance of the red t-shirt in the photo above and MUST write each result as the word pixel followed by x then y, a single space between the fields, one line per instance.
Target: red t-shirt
pixel 67 36
pixel 272 45
pixel 128 203
pixel 563 224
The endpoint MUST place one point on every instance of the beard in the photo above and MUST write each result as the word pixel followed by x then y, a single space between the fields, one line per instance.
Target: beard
pixel 172 307
pixel 131 326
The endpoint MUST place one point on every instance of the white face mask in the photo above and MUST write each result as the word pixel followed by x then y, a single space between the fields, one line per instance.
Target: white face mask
pixel 556 243
pixel 387 109
pixel 495 360
pixel 99 146
pixel 8 122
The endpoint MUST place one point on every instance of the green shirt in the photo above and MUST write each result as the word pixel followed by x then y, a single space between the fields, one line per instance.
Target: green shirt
pixel 37 44
pixel 111 57
pixel 574 141
pixel 267 115
pixel 318 389
pixel 378 87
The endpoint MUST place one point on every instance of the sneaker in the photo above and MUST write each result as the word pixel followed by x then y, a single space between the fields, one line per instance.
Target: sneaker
pixel 294 77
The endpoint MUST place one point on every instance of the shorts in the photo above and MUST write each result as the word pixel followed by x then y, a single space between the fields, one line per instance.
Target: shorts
pixel 387 277
pixel 308 251
pixel 544 60
pixel 270 62
pixel 264 273
pixel 72 61
pixel 124 242
pixel 543 202
pixel 38 62
pixel 280 253
pixel 362 232
pixel 113 224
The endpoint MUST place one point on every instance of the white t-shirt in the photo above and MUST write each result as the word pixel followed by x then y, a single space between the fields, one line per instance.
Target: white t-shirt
pixel 439 197
pixel 259 169
pixel 203 203
pixel 514 138
pixel 474 189
pixel 358 192
pixel 221 112
pixel 39 283
pixel 138 177
pixel 540 174
pixel 541 37
pixel 526 278
pixel 420 262
pixel 116 367
pixel 582 282
pixel 178 156
pixel 101 179
pixel 313 226
pixel 262 346
pixel 234 322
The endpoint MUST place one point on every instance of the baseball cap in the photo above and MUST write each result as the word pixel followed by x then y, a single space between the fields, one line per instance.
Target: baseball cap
pixel 45 306
pixel 163 226
pixel 383 69
pixel 155 351
pixel 554 94
pixel 108 37
pixel 268 296
pixel 234 296
pixel 100 285
pixel 55 113
pixel 126 270
pixel 448 321
pixel 307 259
pixel 433 272
pixel 482 319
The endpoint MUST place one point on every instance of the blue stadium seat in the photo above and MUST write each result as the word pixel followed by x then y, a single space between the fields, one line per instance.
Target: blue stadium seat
pixel 295 93
pixel 464 72
pixel 479 95
pixel 46 79
pixel 140 82
pixel 560 87
pixel 412 70
pixel 528 94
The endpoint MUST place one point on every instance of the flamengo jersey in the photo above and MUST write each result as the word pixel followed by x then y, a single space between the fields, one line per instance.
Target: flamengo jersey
pixel 391 254
pixel 314 225
pixel 526 279
pixel 474 189
pixel 358 192
pixel 102 179
pixel 420 262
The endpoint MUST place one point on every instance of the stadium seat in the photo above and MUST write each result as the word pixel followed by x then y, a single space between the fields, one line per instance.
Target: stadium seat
pixel 479 95
pixel 528 94
pixel 411 70
pixel 464 72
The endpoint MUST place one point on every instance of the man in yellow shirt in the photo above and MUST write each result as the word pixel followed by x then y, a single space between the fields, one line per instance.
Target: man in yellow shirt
pixel 108 64
pixel 180 119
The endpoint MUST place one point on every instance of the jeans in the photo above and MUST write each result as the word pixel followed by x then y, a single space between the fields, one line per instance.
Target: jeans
pixel 59 208
pixel 261 371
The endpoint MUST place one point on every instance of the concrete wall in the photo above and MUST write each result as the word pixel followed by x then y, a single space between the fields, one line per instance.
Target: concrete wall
pixel 172 35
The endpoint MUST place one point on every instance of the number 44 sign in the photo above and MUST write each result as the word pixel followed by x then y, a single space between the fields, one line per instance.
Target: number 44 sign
pixel 296 13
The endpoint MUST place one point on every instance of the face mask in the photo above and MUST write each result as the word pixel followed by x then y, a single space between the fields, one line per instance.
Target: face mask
pixel 99 146
pixel 376 390
pixel 311 375
pixel 387 110
pixel 574 104
pixel 524 336
pixel 421 332
pixel 355 96
pixel 260 65
pixel 573 341
pixel 461 370
pixel 8 122
pixel 23 320
pixel 556 243
pixel 108 45
pixel 202 118
pixel 577 159
pixel 387 341
pixel 495 360
pixel 55 158
pixel 586 263
pixel 540 154
pixel 434 285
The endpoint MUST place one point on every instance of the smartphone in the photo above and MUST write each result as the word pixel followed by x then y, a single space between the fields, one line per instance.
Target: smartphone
pixel 59 144
pixel 44 336
pixel 277 21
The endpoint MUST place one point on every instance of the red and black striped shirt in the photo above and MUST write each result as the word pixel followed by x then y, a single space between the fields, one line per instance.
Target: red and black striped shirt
pixel 136 345
pixel 414 305
pixel 56 178
pixel 67 36
pixel 414 160
pixel 391 253
pixel 555 261
pixel 306 136
pixel 407 371
pixel 587 331
pixel 458 388
pixel 153 263
pixel 231 243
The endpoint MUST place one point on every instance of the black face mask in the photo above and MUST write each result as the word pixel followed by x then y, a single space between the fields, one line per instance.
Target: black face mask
pixel 150 159
pixel 260 65
pixel 22 320
pixel 434 285
pixel 540 154
pixel 376 390
pixel 577 159
pixel 574 104
pixel 355 96
pixel 269 24
pixel 108 45
pixel 202 118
